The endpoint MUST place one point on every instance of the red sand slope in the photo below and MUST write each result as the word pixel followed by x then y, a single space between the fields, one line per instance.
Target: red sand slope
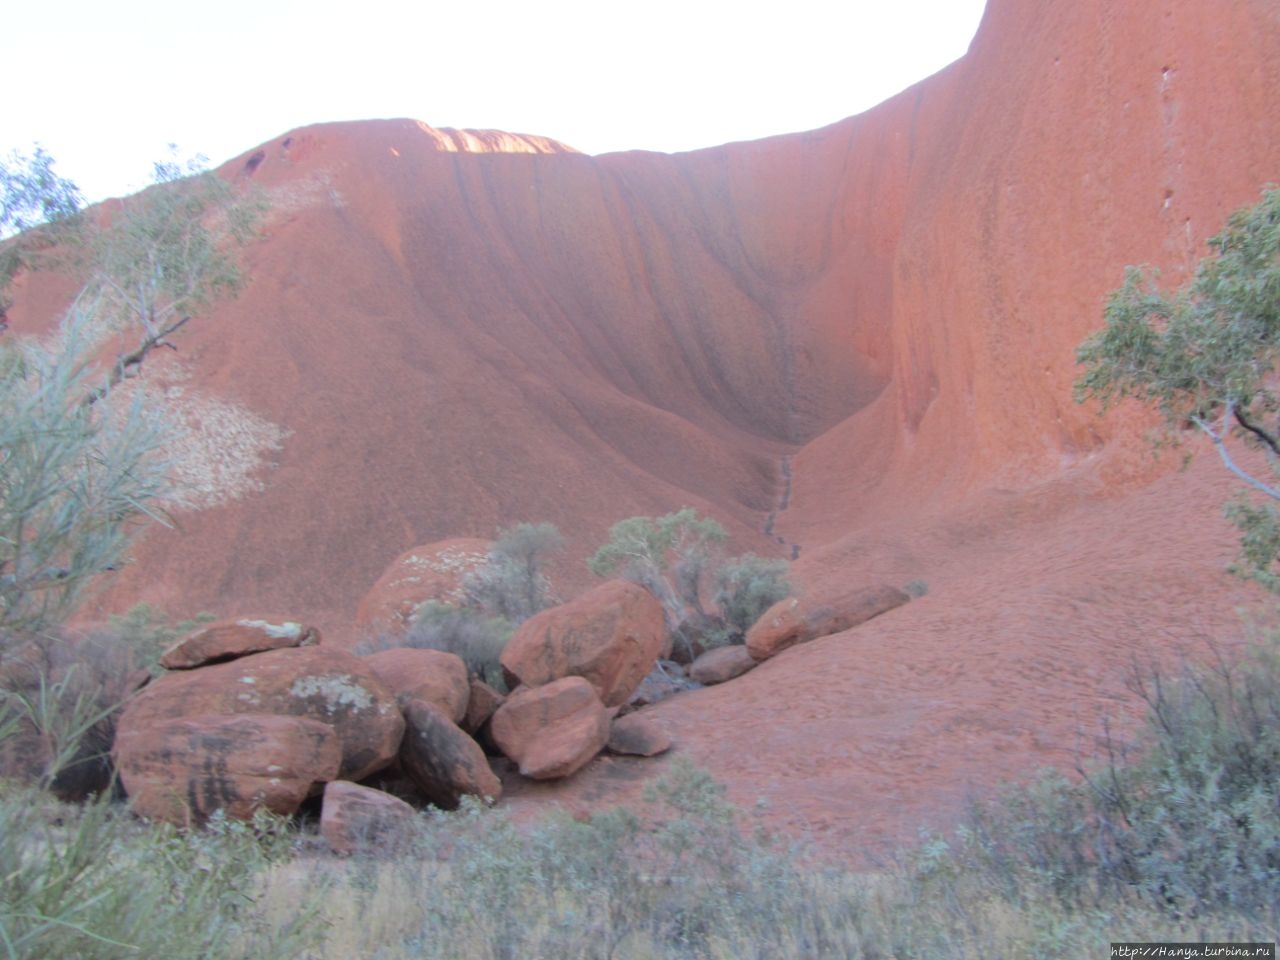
pixel 467 329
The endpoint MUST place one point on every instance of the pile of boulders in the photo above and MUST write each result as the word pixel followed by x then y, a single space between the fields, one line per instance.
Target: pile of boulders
pixel 257 714
pixel 260 714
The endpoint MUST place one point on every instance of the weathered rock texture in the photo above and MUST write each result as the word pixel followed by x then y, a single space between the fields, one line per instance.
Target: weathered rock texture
pixel 443 762
pixel 551 731
pixel 799 620
pixel 355 818
pixel 329 686
pixel 183 770
pixel 610 636
pixel 637 736
pixel 891 302
pixel 433 571
pixel 236 638
pixel 721 664
pixel 433 675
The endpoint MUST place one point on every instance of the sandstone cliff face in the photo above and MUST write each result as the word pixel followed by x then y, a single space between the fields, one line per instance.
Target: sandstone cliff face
pixel 460 329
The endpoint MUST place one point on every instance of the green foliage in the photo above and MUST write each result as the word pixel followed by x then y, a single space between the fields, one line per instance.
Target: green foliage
pixel 511 584
pixel 1204 356
pixel 168 253
pixel 31 194
pixel 479 640
pixel 1187 821
pixel 81 462
pixel 36 200
pixel 89 883
pixel 75 477
pixel 676 558
pixel 747 586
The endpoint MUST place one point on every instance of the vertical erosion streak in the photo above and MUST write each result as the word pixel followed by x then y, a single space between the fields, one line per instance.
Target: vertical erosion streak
pixel 783 501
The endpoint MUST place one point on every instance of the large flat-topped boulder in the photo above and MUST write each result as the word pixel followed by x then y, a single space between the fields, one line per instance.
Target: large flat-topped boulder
pixel 230 639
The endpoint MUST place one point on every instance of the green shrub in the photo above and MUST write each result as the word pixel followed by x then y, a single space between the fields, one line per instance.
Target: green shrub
pixel 511 584
pixel 89 882
pixel 1186 820
pixel 477 639
pixel 747 586
pixel 677 558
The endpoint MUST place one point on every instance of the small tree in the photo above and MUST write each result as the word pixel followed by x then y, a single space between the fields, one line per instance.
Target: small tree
pixel 34 200
pixel 1204 356
pixel 80 461
pixel 511 584
pixel 678 557
pixel 747 586
pixel 667 555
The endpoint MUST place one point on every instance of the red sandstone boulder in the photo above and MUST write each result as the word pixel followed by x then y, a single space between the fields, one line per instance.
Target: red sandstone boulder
pixel 721 664
pixel 433 571
pixel 551 731
pixel 794 620
pixel 637 736
pixel 236 638
pixel 611 636
pixel 432 675
pixel 319 683
pixel 442 761
pixel 482 703
pixel 182 770
pixel 358 818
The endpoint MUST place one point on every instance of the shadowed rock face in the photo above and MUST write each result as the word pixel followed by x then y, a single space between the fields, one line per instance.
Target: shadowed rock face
pixel 462 330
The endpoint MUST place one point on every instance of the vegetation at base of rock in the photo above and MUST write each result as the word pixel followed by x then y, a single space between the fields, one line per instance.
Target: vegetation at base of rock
pixel 90 882
pixel 747 586
pixel 511 583
pixel 82 462
pixel 678 558
pixel 77 477
pixel 63 694
pixel 1204 356
pixel 478 639
pixel 1174 837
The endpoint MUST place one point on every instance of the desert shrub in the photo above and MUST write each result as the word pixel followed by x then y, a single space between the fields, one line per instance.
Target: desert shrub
pixel 747 586
pixel 1186 819
pixel 89 882
pixel 477 639
pixel 511 584
pixel 677 558
pixel 65 693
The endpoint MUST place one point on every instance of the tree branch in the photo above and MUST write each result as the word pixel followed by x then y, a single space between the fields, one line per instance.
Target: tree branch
pixel 128 365
pixel 1219 441
pixel 1272 443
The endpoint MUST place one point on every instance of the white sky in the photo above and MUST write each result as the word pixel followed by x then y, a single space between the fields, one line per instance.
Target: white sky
pixel 105 85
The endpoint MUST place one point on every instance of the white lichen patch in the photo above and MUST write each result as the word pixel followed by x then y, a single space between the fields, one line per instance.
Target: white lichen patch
pixel 219 449
pixel 248 679
pixel 289 198
pixel 337 690
pixel 289 631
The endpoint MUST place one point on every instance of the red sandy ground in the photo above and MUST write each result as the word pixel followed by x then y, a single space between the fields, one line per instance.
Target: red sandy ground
pixel 468 329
